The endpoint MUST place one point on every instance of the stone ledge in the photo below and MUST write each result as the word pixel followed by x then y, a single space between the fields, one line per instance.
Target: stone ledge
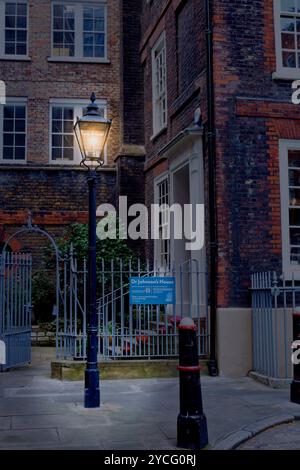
pixel 114 370
pixel 270 381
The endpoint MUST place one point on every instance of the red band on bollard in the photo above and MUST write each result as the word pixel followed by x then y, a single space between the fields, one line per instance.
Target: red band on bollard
pixel 189 368
pixel 187 327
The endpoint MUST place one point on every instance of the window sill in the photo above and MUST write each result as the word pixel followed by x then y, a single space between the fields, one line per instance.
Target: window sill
pixel 33 166
pixel 79 60
pixel 158 134
pixel 288 75
pixel 19 58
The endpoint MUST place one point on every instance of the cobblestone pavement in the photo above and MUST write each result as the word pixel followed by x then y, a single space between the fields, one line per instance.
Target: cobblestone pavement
pixel 39 413
pixel 284 437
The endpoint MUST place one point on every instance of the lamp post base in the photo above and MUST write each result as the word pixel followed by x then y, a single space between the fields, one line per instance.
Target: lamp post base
pixel 92 389
pixel 295 392
pixel 192 432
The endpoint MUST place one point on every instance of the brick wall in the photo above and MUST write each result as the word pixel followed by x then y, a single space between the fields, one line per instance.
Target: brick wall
pixel 253 112
pixel 39 80
pixel 57 198
pixel 184 23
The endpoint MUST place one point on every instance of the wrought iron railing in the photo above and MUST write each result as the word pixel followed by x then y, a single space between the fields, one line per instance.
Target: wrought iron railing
pixel 274 299
pixel 130 331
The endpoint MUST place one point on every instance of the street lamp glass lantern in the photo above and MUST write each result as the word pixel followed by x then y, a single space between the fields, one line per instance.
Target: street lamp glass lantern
pixel 91 132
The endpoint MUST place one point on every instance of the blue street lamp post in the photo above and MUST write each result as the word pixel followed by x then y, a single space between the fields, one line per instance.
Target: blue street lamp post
pixel 91 132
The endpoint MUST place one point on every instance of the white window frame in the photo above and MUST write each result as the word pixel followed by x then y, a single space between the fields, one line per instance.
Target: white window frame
pixel 20 101
pixel 79 57
pixel 78 106
pixel 157 98
pixel 287 73
pixel 2 32
pixel 158 243
pixel 288 268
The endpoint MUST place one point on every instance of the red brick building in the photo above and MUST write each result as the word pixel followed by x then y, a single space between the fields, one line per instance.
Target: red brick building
pixel 149 64
pixel 257 134
pixel 53 54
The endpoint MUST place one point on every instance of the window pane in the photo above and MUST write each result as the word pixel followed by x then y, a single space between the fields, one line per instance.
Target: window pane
pixel 295 255
pixel 88 39
pixel 99 13
pixel 289 59
pixel 68 154
pixel 294 158
pixel 288 5
pixel 57 153
pixel 57 126
pixel 20 153
pixel 68 113
pixel 10 9
pixel 88 25
pixel 10 21
pixel 21 49
pixel 295 217
pixel 9 112
pixel 58 24
pixel 22 9
pixel 99 25
pixel 8 153
pixel 57 113
pixel 20 125
pixel 69 24
pixel 21 22
pixel 21 36
pixel 294 177
pixel 8 139
pixel 287 24
pixel 10 48
pixel 58 10
pixel 88 51
pixel 68 141
pixel 288 41
pixel 99 51
pixel 88 13
pixel 68 127
pixel 295 236
pixel 56 140
pixel 20 140
pixel 10 35
pixel 294 197
pixel 99 39
pixel 8 125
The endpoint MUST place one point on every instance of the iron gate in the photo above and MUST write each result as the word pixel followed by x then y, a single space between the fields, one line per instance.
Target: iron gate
pixel 15 309
pixel 129 331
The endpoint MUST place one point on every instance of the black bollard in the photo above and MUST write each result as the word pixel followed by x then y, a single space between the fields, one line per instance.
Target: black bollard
pixel 191 422
pixel 295 385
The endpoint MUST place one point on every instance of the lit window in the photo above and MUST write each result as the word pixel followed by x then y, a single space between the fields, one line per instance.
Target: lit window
pixel 64 30
pixel 14 24
pixel 63 114
pixel 13 131
pixel 287 29
pixel 159 86
pixel 79 30
pixel 290 204
pixel 163 244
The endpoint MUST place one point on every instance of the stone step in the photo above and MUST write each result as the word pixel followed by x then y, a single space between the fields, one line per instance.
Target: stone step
pixel 124 369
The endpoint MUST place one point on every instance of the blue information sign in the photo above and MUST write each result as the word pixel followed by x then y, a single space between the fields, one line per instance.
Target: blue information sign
pixel 152 291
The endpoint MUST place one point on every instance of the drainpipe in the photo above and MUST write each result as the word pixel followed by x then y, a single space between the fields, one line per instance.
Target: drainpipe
pixel 211 150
